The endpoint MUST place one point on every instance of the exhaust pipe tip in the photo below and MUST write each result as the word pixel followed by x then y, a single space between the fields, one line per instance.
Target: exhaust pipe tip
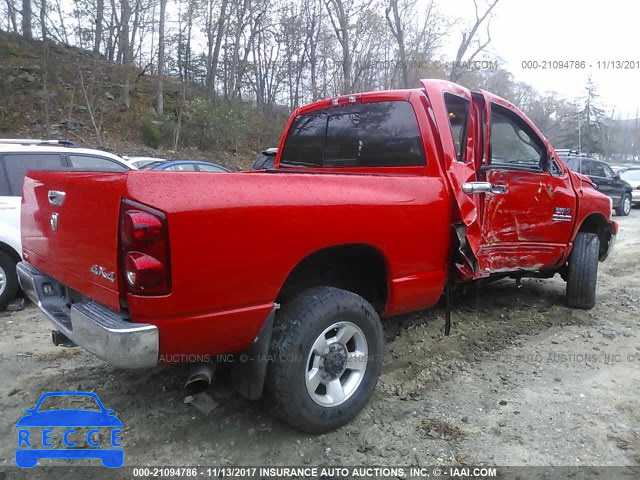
pixel 199 379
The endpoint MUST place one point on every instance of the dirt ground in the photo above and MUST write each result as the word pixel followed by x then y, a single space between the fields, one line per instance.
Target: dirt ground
pixel 522 380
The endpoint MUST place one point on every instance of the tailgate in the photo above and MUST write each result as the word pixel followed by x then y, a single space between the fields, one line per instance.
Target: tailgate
pixel 69 228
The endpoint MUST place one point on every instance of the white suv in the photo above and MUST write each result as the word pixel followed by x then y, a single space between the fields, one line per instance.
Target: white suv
pixel 16 158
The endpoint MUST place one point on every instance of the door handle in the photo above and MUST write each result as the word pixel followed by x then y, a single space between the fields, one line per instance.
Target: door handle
pixel 56 197
pixel 483 187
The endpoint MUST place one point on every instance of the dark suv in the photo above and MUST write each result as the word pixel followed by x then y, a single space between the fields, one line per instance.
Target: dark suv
pixel 603 177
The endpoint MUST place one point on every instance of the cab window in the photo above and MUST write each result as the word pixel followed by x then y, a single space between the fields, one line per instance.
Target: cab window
pixel 513 143
pixel 376 134
pixel 458 113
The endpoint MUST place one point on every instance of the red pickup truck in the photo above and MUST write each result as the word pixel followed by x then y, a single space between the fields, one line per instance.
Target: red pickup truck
pixel 377 203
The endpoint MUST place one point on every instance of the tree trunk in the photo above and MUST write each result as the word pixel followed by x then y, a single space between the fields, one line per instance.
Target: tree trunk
pixel 160 97
pixel 216 49
pixel 340 21
pixel 134 30
pixel 243 6
pixel 11 22
pixel 125 51
pixel 45 66
pixel 99 21
pixel 397 29
pixel 26 19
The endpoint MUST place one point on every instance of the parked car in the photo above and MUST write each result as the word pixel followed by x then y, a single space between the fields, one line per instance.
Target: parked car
pixel 17 156
pixel 632 177
pixel 358 220
pixel 186 166
pixel 266 159
pixel 140 162
pixel 604 179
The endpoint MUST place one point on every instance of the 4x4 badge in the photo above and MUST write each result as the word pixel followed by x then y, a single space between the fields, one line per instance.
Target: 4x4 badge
pixel 102 272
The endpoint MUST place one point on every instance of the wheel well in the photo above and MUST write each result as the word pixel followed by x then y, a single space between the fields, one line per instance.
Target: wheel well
pixel 15 256
pixel 597 223
pixel 358 268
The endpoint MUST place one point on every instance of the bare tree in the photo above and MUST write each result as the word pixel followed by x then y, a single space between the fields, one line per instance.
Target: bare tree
pixel 99 21
pixel 160 96
pixel 215 56
pixel 470 37
pixel 63 29
pixel 124 49
pixel 26 19
pixel 11 21
pixel 45 65
pixel 396 25
pixel 339 16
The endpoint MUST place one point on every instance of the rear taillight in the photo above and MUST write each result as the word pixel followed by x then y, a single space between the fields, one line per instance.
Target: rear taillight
pixel 144 249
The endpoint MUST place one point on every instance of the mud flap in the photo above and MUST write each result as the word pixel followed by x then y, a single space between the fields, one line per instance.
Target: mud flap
pixel 248 375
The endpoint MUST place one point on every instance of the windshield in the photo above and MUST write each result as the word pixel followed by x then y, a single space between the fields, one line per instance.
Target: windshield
pixel 633 175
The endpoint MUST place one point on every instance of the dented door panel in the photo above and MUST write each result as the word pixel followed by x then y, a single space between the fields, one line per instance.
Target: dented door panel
pixel 536 208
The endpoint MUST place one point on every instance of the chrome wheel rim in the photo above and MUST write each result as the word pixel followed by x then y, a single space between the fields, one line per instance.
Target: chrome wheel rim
pixel 3 281
pixel 626 206
pixel 336 364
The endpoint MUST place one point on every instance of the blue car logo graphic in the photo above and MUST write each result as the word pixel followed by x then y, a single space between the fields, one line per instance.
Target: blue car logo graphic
pixel 67 426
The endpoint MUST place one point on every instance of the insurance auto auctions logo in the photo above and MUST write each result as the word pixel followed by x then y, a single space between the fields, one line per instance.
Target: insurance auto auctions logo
pixel 69 433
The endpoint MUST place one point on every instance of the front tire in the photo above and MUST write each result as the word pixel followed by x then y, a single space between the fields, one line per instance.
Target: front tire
pixel 326 357
pixel 624 208
pixel 582 272
pixel 8 280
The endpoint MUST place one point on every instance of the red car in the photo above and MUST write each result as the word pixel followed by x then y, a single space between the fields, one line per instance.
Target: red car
pixel 377 203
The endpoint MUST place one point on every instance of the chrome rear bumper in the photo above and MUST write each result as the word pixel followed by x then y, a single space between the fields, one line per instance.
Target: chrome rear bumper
pixel 103 332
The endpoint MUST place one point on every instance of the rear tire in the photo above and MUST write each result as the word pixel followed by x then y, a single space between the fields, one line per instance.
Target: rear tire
pixel 326 357
pixel 624 208
pixel 8 280
pixel 582 271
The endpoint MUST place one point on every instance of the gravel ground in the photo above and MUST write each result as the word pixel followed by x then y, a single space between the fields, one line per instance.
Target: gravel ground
pixel 522 380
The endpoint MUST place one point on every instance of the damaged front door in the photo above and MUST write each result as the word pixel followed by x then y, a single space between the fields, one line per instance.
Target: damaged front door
pixel 529 202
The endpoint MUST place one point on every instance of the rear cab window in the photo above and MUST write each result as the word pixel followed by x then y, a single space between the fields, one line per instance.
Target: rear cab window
pixel 375 134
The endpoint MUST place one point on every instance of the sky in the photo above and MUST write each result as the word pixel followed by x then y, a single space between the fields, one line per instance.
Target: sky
pixel 550 30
